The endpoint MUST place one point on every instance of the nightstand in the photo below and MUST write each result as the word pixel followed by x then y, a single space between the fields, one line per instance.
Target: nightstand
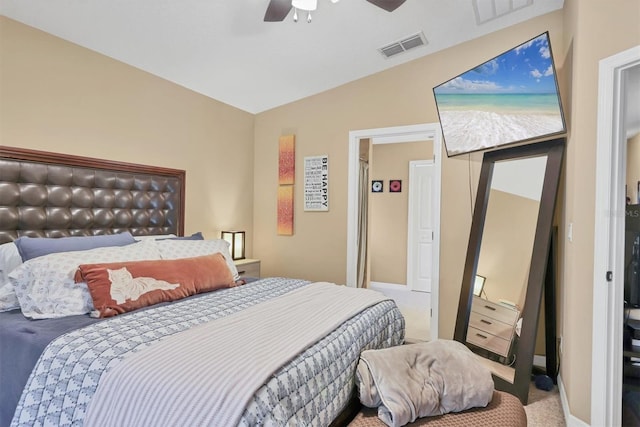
pixel 248 267
pixel 492 326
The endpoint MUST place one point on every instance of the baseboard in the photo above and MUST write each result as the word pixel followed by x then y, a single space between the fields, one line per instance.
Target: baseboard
pixel 571 420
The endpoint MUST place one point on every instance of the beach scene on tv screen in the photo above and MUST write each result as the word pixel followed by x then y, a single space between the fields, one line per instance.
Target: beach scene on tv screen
pixel 508 99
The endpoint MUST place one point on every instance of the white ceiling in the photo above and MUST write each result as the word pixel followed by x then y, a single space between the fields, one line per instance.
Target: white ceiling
pixel 224 50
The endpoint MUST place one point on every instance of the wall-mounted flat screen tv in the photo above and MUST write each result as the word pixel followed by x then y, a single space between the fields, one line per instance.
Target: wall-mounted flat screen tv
pixel 509 99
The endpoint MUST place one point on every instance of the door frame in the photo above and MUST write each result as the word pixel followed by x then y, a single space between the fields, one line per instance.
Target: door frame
pixel 419 132
pixel 608 297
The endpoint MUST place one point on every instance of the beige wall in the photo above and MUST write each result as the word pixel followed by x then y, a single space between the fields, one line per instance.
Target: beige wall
pixel 57 96
pixel 507 245
pixel 321 123
pixel 582 34
pixel 388 212
pixel 594 30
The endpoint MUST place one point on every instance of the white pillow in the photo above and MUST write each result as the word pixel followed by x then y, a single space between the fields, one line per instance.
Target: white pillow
pixel 174 249
pixel 45 285
pixel 9 260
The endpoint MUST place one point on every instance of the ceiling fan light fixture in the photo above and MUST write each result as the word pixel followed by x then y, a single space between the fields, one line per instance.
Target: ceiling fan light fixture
pixel 307 5
pixel 277 10
pixel 295 15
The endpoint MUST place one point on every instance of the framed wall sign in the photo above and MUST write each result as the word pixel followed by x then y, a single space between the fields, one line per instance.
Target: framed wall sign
pixel 395 186
pixel 316 183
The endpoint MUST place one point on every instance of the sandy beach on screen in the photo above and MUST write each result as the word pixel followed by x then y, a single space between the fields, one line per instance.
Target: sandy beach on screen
pixel 476 130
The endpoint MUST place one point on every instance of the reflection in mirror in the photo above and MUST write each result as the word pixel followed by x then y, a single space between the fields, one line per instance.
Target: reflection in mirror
pixel 478 285
pixel 507 258
pixel 504 260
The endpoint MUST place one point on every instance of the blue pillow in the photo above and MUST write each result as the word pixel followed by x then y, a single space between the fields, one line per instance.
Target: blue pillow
pixel 33 247
pixel 194 236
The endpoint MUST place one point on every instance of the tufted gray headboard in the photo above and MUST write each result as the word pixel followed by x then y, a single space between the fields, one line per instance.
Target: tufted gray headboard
pixel 45 194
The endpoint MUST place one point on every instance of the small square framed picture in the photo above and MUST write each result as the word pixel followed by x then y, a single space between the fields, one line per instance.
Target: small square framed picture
pixel 395 186
pixel 377 186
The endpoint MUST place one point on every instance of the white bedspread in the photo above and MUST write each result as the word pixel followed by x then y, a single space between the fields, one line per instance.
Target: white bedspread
pixel 214 369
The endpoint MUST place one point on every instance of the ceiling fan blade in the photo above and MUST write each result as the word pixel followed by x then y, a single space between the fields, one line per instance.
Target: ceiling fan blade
pixel 388 5
pixel 277 10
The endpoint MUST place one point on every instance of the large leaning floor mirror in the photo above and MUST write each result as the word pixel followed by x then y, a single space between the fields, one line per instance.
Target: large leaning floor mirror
pixel 506 261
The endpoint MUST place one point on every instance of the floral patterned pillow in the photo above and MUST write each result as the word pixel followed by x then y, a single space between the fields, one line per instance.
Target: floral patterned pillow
pixel 173 249
pixel 9 260
pixel 45 286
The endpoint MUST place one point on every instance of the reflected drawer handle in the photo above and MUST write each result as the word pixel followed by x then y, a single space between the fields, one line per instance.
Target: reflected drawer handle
pixel 242 272
pixel 486 322
pixel 481 336
pixel 488 307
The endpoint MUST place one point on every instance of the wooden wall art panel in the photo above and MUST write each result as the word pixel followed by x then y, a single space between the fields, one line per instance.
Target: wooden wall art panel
pixel 286 160
pixel 285 210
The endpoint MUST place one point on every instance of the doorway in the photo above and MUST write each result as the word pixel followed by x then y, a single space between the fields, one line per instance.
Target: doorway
pixel 391 136
pixel 608 295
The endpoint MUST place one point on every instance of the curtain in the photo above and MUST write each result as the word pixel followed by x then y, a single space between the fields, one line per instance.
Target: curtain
pixel 363 209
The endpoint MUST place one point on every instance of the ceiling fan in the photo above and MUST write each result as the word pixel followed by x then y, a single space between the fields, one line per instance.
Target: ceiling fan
pixel 279 9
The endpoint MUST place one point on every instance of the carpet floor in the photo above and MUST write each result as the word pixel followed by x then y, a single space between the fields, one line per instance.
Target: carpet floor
pixel 544 408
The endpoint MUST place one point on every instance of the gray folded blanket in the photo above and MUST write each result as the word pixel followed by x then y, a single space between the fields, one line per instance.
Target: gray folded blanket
pixel 418 380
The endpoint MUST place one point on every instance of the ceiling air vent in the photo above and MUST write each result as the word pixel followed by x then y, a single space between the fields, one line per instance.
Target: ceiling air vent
pixel 488 10
pixel 411 42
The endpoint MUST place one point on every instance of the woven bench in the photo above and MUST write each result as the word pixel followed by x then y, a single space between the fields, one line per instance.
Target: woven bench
pixel 504 410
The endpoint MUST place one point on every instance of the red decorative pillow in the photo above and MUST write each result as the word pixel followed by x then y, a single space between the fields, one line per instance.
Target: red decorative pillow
pixel 120 287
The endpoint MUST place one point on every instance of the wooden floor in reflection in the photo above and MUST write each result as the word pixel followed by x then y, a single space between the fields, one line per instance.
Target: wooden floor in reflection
pixel 505 372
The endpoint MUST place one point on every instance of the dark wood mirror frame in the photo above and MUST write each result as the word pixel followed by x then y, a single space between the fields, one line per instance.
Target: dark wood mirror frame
pixel 554 150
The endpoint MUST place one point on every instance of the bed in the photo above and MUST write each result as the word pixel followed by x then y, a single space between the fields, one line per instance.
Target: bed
pixel 177 357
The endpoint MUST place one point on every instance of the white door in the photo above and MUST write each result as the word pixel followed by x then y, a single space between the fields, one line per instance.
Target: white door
pixel 420 226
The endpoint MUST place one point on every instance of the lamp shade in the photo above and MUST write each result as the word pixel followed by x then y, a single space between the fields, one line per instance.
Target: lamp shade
pixel 236 240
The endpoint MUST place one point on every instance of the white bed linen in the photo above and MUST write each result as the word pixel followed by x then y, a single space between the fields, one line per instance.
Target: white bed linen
pixel 235 365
